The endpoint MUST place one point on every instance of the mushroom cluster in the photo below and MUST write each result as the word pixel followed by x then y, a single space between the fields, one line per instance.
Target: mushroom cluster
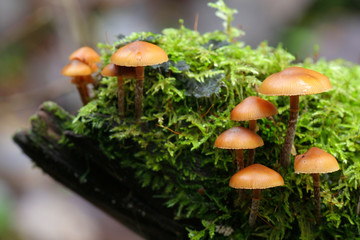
pixel 251 109
pixel 82 64
pixel 130 61
pixel 293 82
pixel 126 62
pixel 253 176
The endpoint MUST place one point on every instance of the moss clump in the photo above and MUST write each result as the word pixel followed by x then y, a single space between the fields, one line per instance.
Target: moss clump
pixel 187 103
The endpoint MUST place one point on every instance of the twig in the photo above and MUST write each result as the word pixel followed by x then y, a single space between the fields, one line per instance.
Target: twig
pixel 170 130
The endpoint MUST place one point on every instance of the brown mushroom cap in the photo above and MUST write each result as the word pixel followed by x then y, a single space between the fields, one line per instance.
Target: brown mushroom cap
pixel 238 138
pixel 295 81
pixel 110 70
pixel 315 160
pixel 256 176
pixel 76 68
pixel 85 54
pixel 252 108
pixel 139 53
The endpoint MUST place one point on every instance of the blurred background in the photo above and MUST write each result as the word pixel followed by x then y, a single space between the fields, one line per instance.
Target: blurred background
pixel 36 37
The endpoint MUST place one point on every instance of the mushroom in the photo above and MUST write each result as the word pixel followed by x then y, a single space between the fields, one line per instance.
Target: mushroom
pixel 255 177
pixel 111 70
pixel 293 82
pixel 316 161
pixel 252 108
pixel 238 138
pixel 79 72
pixel 139 54
pixel 86 55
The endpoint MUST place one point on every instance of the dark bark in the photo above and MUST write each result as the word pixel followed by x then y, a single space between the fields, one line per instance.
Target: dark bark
pixel 88 172
pixel 285 157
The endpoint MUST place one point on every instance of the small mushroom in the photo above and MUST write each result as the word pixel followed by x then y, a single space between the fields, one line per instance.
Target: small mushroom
pixel 238 138
pixel 316 161
pixel 293 82
pixel 86 55
pixel 79 72
pixel 252 108
pixel 255 177
pixel 139 54
pixel 112 70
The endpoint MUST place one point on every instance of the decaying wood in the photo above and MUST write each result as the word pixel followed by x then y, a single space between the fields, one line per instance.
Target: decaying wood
pixel 83 168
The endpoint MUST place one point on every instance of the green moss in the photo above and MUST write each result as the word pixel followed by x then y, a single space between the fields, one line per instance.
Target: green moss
pixel 187 103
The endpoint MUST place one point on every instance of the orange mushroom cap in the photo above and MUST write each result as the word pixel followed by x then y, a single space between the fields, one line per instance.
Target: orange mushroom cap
pixel 76 68
pixel 252 108
pixel 295 81
pixel 85 54
pixel 110 70
pixel 315 160
pixel 238 138
pixel 139 53
pixel 256 176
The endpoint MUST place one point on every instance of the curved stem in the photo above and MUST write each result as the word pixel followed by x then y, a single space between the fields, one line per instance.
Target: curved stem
pixel 121 108
pixel 81 87
pixel 139 92
pixel 316 180
pixel 251 152
pixel 239 159
pixel 285 157
pixel 254 207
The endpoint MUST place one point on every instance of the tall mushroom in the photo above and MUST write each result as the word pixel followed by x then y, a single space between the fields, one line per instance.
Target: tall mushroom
pixel 79 72
pixel 252 108
pixel 86 55
pixel 255 177
pixel 139 54
pixel 293 82
pixel 238 138
pixel 316 161
pixel 112 70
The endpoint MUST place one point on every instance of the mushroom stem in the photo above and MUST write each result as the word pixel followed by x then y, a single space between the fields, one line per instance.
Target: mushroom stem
pixel 121 109
pixel 252 125
pixel 139 92
pixel 251 152
pixel 239 159
pixel 316 180
pixel 285 157
pixel 254 207
pixel 81 87
pixel 81 93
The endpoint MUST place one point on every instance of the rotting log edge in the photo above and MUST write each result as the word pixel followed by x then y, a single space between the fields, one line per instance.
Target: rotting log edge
pixel 137 211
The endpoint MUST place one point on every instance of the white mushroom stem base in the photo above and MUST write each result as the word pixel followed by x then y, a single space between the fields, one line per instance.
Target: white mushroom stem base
pixel 251 152
pixel 285 157
pixel 316 180
pixel 254 207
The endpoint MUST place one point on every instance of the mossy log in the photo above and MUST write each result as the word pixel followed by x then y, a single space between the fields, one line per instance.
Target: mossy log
pixel 80 166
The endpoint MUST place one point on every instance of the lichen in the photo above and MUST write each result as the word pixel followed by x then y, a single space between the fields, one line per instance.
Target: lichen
pixel 172 151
